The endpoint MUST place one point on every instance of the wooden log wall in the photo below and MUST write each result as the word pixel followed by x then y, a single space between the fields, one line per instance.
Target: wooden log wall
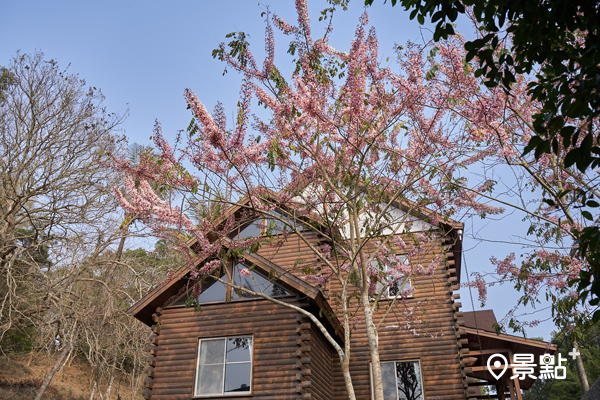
pixel 291 358
pixel 321 365
pixel 151 360
pixel 292 254
pixel 433 338
pixel 283 357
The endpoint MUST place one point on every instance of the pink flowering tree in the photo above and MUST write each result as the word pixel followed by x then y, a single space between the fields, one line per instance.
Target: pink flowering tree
pixel 557 202
pixel 364 156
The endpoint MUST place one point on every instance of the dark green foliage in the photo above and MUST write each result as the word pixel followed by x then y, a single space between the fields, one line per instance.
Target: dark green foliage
pixel 5 80
pixel 560 389
pixel 18 340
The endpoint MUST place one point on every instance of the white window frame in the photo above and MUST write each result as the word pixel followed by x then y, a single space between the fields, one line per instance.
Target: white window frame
pixel 418 361
pixel 225 363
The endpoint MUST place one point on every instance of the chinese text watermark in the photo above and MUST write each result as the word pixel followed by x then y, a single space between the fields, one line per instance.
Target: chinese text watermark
pixel 523 365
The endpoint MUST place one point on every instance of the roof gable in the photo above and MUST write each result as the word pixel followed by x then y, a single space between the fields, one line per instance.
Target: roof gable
pixel 158 297
pixel 144 309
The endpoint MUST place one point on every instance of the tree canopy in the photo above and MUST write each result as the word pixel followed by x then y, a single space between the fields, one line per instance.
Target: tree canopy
pixel 66 281
pixel 365 156
pixel 556 43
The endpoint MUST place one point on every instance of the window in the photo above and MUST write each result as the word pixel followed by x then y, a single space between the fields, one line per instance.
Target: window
pixel 224 366
pixel 395 283
pixel 216 292
pixel 269 225
pixel 252 230
pixel 213 291
pixel 275 226
pixel 255 282
pixel 401 380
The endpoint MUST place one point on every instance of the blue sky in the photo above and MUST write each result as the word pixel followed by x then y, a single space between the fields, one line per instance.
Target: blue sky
pixel 144 54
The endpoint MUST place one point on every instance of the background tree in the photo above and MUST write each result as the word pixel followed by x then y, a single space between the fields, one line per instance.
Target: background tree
pixel 67 277
pixel 53 130
pixel 569 388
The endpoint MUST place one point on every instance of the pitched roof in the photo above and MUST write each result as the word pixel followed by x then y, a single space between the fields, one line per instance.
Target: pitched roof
pixel 145 308
pixel 481 319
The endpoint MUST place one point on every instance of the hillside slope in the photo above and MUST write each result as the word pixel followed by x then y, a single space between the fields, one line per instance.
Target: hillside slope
pixel 21 375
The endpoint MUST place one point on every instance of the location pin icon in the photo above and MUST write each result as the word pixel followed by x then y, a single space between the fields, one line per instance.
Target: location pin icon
pixel 491 366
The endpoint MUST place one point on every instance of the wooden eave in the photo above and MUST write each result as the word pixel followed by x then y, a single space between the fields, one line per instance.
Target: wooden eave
pixel 293 282
pixel 517 340
pixel 157 297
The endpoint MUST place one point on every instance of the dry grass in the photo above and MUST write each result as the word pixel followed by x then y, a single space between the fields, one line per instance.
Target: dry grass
pixel 21 375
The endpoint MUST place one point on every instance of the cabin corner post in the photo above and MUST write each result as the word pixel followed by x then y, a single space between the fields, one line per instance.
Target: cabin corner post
pixel 303 382
pixel 459 322
pixel 151 359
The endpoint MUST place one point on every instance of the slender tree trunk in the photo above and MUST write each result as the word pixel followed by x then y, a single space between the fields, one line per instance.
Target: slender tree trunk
pixel 373 347
pixel 583 380
pixel 348 377
pixel 30 358
pixel 67 359
pixel 345 361
pixel 112 375
pixel 110 383
pixel 93 390
pixel 53 370
pixel 119 252
pixel 372 336
pixel 73 355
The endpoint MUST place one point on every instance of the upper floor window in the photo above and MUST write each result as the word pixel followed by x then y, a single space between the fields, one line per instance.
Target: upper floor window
pixel 256 283
pixel 224 366
pixel 270 225
pixel 401 380
pixel 394 283
pixel 214 291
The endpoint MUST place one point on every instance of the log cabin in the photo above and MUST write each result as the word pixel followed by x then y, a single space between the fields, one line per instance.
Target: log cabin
pixel 232 345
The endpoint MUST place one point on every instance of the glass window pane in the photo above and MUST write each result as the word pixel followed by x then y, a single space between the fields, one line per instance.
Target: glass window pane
pixel 215 293
pixel 276 226
pixel 212 351
pixel 210 379
pixel 255 282
pixel 397 282
pixel 388 376
pixel 237 377
pixel 408 375
pixel 399 285
pixel 239 349
pixel 252 230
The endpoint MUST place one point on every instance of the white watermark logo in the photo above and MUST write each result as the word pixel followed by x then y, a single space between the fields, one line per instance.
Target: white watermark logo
pixel 523 366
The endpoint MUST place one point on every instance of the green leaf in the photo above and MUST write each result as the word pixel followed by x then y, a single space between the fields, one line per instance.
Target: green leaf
pixel 571 157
